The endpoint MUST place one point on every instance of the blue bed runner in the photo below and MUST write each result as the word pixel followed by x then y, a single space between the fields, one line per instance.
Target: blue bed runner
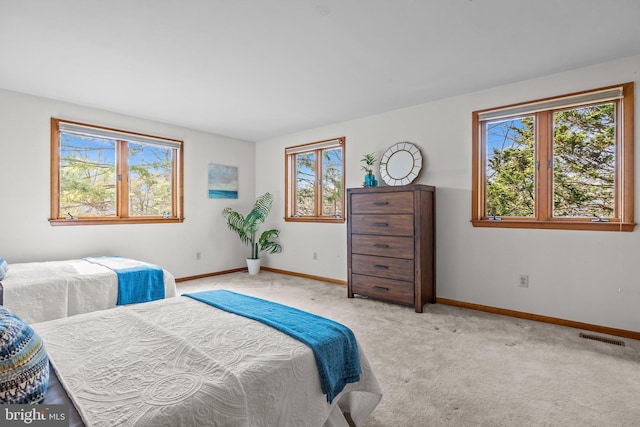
pixel 334 345
pixel 137 281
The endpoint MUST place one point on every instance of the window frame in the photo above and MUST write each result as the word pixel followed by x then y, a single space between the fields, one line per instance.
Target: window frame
pixel 623 219
pixel 122 189
pixel 290 180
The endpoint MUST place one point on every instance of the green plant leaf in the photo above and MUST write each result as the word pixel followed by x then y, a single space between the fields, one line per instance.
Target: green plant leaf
pixel 267 245
pixel 247 227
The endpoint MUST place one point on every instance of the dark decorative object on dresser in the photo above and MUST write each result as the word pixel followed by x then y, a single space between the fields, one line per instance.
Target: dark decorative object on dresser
pixel 391 244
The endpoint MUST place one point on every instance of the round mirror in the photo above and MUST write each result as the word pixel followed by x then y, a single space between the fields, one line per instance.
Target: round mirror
pixel 400 164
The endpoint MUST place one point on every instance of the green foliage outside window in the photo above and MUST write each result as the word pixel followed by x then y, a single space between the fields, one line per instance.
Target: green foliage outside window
pixel 330 179
pixel 510 168
pixel 583 164
pixel 305 183
pixel 149 180
pixel 88 178
pixel 332 182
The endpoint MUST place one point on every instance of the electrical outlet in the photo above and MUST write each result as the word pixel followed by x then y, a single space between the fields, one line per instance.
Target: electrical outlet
pixel 523 281
pixel 315 256
pixel 198 255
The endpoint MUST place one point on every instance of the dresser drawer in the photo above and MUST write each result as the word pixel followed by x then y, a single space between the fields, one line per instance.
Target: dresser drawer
pixel 389 246
pixel 390 268
pixel 382 203
pixel 388 225
pixel 384 289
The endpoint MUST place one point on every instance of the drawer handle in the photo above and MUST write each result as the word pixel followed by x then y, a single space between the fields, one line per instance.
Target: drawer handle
pixel 380 203
pixel 381 288
pixel 380 224
pixel 381 267
pixel 380 245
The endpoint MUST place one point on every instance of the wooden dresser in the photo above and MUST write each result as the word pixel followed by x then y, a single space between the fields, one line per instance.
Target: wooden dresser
pixel 391 244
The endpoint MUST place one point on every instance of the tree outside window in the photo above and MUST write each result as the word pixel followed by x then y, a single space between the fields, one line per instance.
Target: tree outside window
pixel 315 182
pixel 104 176
pixel 563 162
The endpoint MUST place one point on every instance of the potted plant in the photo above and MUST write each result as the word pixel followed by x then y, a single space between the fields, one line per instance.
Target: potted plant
pixel 247 228
pixel 369 179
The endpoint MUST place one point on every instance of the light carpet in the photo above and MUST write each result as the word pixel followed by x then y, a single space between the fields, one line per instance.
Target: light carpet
pixel 456 367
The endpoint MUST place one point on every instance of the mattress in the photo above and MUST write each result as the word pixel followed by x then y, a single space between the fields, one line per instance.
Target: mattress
pixel 181 362
pixel 42 291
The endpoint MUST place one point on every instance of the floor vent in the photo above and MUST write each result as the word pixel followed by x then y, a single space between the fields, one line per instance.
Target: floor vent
pixel 603 339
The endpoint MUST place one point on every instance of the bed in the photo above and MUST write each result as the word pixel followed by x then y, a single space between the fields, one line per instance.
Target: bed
pixel 41 291
pixel 180 361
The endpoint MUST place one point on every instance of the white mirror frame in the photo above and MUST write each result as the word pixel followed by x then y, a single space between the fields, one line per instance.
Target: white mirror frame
pixel 400 164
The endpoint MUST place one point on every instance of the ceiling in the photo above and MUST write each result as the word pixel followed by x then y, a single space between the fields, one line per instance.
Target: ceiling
pixel 255 69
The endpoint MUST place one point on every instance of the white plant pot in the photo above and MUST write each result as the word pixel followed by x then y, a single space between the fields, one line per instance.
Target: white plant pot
pixel 253 265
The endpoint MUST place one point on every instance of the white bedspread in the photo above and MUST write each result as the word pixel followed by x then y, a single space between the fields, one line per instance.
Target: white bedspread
pixel 180 362
pixel 41 291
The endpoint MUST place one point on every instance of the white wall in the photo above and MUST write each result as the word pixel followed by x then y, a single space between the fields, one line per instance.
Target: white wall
pixel 25 233
pixel 584 276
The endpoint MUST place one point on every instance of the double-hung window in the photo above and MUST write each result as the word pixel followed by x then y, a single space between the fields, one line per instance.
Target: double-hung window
pixel 315 181
pixel 105 176
pixel 563 162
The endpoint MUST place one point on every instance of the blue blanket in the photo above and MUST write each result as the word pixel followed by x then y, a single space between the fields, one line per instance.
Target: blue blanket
pixel 334 345
pixel 137 281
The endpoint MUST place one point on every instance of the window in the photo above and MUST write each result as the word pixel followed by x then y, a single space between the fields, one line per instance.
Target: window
pixel 563 163
pixel 315 182
pixel 107 176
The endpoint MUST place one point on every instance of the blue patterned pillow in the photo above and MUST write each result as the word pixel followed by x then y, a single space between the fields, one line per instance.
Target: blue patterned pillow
pixel 3 268
pixel 24 364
